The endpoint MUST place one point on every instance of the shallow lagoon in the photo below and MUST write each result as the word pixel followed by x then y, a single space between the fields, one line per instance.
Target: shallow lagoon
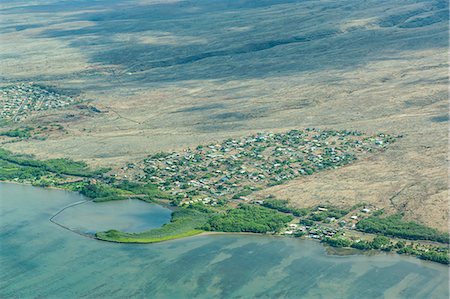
pixel 124 215
pixel 40 259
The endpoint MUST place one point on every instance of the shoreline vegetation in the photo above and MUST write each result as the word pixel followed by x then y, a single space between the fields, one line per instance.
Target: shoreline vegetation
pixel 217 201
pixel 184 223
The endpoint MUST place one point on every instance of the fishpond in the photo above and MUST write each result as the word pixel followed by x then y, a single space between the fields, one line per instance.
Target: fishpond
pixel 40 259
pixel 128 215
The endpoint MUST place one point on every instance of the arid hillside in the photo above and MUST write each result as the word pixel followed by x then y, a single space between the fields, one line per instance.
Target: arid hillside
pixel 168 75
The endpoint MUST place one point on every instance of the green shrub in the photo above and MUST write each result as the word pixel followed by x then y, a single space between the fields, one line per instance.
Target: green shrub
pixel 307 222
pixel 396 227
pixel 242 193
pixel 248 218
pixel 100 192
pixel 337 242
pixel 299 233
pixel 440 257
pixel 151 190
pixel 362 245
pixel 380 242
pixel 57 166
pixel 20 133
pixel 282 206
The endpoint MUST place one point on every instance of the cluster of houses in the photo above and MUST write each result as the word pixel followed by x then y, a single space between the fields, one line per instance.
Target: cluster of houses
pixel 19 100
pixel 236 167
pixel 313 232
pixel 205 200
pixel 327 228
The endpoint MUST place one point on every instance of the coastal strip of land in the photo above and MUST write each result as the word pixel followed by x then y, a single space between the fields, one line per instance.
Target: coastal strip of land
pixel 210 188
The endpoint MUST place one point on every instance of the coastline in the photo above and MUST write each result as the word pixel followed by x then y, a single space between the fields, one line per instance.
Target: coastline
pixel 338 251
pixel 31 185
pixel 245 247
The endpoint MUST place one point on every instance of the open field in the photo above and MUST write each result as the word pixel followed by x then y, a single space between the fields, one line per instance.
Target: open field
pixel 173 75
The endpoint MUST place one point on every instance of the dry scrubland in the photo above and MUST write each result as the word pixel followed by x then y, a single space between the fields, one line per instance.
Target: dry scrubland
pixel 397 90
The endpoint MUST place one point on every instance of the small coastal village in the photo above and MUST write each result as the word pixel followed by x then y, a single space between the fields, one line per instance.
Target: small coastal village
pixel 212 187
pixel 330 226
pixel 224 149
pixel 225 174
pixel 219 178
pixel 18 101
pixel 233 169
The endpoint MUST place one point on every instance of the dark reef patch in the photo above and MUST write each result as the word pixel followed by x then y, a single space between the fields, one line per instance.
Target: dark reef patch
pixel 440 119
